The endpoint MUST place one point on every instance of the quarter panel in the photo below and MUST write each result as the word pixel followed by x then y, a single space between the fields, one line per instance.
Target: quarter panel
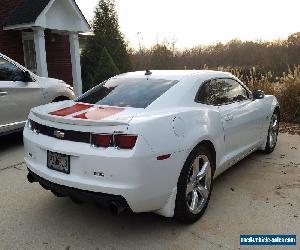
pixel 173 132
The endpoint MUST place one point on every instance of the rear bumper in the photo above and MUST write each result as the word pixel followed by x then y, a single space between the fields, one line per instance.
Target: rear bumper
pixel 144 182
pixel 105 200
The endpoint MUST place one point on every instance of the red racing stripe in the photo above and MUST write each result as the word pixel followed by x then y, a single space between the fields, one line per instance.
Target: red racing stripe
pixel 71 110
pixel 81 116
pixel 100 113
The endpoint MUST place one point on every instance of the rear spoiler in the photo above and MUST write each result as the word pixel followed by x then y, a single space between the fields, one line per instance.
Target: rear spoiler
pixel 74 121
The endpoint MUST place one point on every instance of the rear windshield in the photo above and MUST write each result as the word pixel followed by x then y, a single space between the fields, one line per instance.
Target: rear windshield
pixel 127 92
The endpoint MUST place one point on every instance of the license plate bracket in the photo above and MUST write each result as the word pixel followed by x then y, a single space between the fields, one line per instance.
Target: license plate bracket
pixel 58 162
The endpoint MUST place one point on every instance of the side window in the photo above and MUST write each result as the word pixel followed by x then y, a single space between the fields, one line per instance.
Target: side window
pixel 236 92
pixel 9 72
pixel 221 91
pixel 209 93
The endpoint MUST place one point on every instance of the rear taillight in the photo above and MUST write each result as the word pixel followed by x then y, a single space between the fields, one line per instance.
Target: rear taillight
pixel 125 141
pixel 120 141
pixel 102 140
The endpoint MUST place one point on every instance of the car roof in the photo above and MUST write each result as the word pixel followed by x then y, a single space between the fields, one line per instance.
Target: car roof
pixel 180 94
pixel 176 74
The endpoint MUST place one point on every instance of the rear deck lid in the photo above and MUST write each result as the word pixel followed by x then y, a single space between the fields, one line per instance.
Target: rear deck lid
pixel 113 102
pixel 77 113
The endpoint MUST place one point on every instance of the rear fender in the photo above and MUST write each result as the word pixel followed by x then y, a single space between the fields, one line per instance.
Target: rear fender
pixel 179 133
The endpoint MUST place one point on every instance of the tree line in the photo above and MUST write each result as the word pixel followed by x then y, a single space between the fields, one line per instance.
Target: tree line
pixel 274 57
pixel 107 53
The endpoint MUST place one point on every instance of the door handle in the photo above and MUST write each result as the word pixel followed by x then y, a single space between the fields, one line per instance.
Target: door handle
pixel 3 94
pixel 228 118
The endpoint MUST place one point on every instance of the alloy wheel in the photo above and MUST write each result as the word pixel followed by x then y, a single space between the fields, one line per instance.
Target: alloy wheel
pixel 198 184
pixel 273 131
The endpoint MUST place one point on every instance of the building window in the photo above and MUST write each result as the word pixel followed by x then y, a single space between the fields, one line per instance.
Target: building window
pixel 29 51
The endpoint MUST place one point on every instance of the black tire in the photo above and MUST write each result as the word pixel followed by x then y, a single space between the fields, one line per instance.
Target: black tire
pixel 57 194
pixel 182 210
pixel 76 201
pixel 271 146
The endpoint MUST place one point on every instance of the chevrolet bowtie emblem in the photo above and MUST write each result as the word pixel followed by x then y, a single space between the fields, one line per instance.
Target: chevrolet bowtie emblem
pixel 58 134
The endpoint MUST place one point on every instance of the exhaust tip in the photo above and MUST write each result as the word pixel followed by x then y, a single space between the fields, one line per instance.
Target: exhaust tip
pixel 30 178
pixel 116 207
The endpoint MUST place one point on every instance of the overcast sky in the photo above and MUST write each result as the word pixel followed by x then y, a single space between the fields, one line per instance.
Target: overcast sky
pixel 193 22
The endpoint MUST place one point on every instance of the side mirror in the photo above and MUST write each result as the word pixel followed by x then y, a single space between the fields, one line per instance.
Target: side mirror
pixel 258 94
pixel 27 77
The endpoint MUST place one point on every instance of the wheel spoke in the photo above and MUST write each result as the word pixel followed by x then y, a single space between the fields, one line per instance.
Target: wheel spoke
pixel 189 187
pixel 195 169
pixel 208 173
pixel 203 171
pixel 274 126
pixel 203 191
pixel 271 139
pixel 207 182
pixel 195 199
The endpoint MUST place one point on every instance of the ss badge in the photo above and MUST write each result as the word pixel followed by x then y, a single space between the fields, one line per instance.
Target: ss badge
pixel 98 174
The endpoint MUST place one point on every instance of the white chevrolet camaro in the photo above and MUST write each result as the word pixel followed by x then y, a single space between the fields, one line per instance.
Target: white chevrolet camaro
pixel 149 141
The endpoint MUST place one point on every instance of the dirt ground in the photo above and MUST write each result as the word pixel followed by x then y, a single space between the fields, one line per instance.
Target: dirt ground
pixel 290 128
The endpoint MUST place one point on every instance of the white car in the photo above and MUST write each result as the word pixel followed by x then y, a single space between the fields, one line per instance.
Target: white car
pixel 149 141
pixel 21 90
